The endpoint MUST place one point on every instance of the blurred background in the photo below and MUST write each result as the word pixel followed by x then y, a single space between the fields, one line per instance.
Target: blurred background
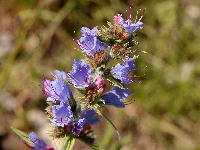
pixel 36 37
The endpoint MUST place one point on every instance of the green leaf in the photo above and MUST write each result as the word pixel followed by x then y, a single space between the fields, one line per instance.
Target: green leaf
pixel 81 90
pixel 89 141
pixel 116 82
pixel 23 136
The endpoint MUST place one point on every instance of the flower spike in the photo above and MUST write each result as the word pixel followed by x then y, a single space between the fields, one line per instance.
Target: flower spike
pixel 72 118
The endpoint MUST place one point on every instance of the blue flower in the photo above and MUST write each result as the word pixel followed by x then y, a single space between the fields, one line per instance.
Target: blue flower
pixel 39 144
pixel 88 117
pixel 80 75
pixel 62 114
pixel 130 26
pixel 77 126
pixel 115 97
pixel 121 71
pixel 57 89
pixel 89 42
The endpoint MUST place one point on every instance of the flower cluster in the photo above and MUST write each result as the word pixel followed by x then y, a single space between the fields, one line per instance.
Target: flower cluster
pixel 91 76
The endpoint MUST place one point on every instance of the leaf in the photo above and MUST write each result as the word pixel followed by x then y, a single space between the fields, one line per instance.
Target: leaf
pixel 81 90
pixel 23 136
pixel 89 141
pixel 116 82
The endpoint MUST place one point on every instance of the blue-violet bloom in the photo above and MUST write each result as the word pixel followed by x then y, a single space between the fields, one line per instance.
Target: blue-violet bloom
pixel 80 75
pixel 130 26
pixel 89 42
pixel 115 97
pixel 57 89
pixel 77 126
pixel 62 114
pixel 88 117
pixel 121 71
pixel 39 144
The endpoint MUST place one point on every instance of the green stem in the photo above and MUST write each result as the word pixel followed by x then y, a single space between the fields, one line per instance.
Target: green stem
pixel 69 143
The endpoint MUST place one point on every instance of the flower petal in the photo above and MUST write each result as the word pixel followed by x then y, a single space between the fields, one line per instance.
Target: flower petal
pixel 115 97
pixel 89 42
pixel 130 26
pixel 90 117
pixel 62 114
pixel 77 126
pixel 39 144
pixel 57 89
pixel 80 75
pixel 121 71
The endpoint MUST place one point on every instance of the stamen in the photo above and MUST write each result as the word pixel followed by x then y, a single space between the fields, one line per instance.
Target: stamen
pixel 140 68
pixel 128 17
pixel 128 102
pixel 54 76
pixel 142 15
pixel 135 76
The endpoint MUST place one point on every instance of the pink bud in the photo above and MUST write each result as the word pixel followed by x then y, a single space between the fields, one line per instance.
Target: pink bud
pixel 117 19
pixel 125 35
pixel 99 82
pixel 68 128
pixel 49 148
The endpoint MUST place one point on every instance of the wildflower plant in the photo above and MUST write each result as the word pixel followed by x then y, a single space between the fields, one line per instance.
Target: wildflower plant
pixel 72 118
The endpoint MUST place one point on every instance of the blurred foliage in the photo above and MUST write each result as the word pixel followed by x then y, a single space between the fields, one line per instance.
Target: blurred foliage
pixel 36 37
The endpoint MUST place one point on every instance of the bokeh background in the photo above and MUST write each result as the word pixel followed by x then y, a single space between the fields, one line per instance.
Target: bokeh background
pixel 36 37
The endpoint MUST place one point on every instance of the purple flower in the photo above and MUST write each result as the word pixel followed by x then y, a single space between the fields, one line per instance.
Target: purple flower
pixel 130 26
pixel 89 42
pixel 77 126
pixel 115 97
pixel 80 75
pixel 57 89
pixel 39 144
pixel 88 117
pixel 121 71
pixel 62 114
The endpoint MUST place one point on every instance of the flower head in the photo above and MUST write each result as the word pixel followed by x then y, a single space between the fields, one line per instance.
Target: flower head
pixel 89 42
pixel 62 114
pixel 57 89
pixel 80 75
pixel 39 144
pixel 77 126
pixel 90 117
pixel 115 97
pixel 128 25
pixel 87 118
pixel 121 71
